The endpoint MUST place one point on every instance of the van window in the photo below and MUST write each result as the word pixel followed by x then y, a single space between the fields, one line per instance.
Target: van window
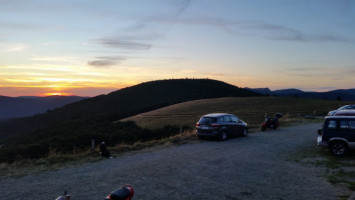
pixel 347 124
pixel 332 124
pixel 344 124
pixel 352 124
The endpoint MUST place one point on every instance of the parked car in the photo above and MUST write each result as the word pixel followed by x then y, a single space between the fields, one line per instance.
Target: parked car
pixel 338 134
pixel 221 125
pixel 346 107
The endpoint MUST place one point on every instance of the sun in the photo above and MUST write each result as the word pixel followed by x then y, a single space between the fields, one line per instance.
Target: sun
pixel 57 94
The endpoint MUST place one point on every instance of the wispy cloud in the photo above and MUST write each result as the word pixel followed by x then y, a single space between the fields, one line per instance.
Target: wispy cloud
pixel 14 47
pixel 106 61
pixel 61 59
pixel 124 44
pixel 182 6
pixel 323 88
pixel 144 29
pixel 252 28
pixel 20 26
pixel 101 63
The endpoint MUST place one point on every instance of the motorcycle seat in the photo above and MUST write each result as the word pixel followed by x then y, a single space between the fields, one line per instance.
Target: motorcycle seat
pixel 119 194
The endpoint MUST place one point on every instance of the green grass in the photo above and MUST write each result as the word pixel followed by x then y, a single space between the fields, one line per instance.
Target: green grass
pixel 339 171
pixel 250 109
pixel 342 177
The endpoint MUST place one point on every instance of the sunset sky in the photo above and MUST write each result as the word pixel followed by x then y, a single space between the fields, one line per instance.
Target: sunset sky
pixel 92 47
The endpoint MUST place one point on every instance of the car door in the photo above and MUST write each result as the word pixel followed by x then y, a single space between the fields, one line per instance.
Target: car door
pixel 238 125
pixel 229 124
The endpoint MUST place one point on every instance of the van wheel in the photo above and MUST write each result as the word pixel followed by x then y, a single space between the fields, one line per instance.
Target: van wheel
pixel 338 148
pixel 223 136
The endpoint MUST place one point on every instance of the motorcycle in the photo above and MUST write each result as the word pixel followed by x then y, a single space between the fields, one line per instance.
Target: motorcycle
pixel 125 192
pixel 271 122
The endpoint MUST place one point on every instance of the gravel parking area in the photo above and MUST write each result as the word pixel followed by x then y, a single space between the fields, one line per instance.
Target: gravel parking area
pixel 259 166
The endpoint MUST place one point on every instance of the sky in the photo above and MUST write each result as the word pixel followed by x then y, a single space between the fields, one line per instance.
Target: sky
pixel 94 47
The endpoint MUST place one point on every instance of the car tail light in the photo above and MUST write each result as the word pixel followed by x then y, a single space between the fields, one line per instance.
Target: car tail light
pixel 215 125
pixel 197 124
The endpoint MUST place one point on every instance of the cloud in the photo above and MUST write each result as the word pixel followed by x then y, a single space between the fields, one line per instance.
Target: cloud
pixel 56 58
pixel 182 6
pixel 349 71
pixel 20 26
pixel 301 37
pixel 323 88
pixel 124 44
pixel 252 28
pixel 14 47
pixel 106 61
pixel 101 63
pixel 280 32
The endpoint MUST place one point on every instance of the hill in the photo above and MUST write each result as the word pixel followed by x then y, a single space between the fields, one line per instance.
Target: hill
pixel 250 109
pixel 73 125
pixel 127 102
pixel 15 107
pixel 343 94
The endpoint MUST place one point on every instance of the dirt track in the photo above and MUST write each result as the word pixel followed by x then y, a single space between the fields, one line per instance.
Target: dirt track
pixel 259 166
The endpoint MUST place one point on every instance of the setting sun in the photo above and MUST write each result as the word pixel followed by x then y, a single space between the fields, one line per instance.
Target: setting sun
pixel 57 94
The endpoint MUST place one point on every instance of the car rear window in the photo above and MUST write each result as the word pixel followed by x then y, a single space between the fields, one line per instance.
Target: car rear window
pixel 208 120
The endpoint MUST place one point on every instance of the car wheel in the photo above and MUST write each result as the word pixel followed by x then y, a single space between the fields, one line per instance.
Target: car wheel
pixel 224 136
pixel 338 148
pixel 245 132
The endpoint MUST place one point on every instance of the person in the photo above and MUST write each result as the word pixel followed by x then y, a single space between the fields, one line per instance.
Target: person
pixel 103 150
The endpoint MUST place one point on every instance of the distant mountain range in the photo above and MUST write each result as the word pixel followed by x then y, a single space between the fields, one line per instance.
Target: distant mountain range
pixel 342 94
pixel 14 107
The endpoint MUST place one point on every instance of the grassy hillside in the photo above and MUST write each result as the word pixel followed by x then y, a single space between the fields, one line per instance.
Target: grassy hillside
pixel 250 109
pixel 126 102
pixel 73 126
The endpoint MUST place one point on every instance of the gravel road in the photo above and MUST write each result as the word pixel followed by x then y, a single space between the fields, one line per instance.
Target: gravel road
pixel 259 166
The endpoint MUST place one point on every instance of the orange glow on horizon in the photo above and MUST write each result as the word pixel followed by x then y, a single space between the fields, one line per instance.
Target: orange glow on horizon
pixel 56 94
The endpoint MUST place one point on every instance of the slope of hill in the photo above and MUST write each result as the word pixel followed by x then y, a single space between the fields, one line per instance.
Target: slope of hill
pixel 78 122
pixel 127 102
pixel 14 107
pixel 345 94
pixel 250 109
